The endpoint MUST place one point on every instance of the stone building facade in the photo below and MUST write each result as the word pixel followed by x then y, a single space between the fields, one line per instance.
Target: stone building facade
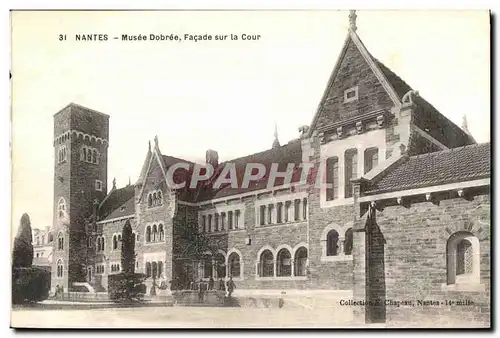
pixel 405 216
pixel 42 247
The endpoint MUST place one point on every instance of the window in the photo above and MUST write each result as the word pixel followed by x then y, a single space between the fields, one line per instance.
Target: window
pixel 59 269
pixel 222 221
pixel 262 215
pixel 89 242
pixel 148 234
pixel 37 255
pixel 61 154
pixel 270 208
pixel 209 223
pixel 160 269
pixel 348 242
pixel 300 264
pixel 161 233
pixel 204 223
pixel 216 222
pixel 98 185
pixel 371 159
pixel 287 210
pixel 150 200
pixel 154 233
pixel 266 262
pixel 284 263
pixel 304 208
pixel 148 269
pixel 230 220
pixel 279 213
pixel 236 219
pixel 61 207
pixel 463 259
pixel 155 199
pixel 115 267
pixel 351 94
pixel 99 269
pixel 332 243
pixel 115 242
pixel 154 266
pixel 60 242
pixel 89 155
pixel 332 178
pixel 351 166
pixel 100 243
pixel 296 210
pixel 94 156
pixel 234 265
pixel 207 266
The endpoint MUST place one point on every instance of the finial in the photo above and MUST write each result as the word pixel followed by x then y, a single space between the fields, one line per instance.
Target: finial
pixel 129 180
pixel 114 183
pixel 276 143
pixel 149 145
pixel 352 20
pixel 465 126
pixel 156 141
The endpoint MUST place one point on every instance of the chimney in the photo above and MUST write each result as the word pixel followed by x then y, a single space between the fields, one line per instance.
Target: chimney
pixel 212 158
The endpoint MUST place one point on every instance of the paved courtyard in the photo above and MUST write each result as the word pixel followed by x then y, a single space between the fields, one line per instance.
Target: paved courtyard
pixel 178 317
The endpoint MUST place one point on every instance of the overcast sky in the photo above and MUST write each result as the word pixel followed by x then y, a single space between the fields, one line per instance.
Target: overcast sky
pixel 223 95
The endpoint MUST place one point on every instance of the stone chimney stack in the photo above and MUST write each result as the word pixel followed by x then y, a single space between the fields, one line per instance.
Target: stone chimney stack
pixel 212 157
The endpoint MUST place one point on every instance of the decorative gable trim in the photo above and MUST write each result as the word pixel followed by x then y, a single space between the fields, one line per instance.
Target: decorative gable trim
pixel 373 66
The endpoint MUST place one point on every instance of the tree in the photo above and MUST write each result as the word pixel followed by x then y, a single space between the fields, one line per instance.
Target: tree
pixel 23 245
pixel 127 285
pixel 128 249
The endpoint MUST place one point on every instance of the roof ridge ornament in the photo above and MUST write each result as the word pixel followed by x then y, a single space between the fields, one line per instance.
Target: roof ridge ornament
pixel 352 20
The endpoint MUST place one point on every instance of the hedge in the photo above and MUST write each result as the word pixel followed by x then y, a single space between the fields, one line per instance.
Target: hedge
pixel 126 287
pixel 30 285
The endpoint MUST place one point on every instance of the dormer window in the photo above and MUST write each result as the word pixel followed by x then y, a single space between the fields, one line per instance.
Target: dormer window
pixel 351 94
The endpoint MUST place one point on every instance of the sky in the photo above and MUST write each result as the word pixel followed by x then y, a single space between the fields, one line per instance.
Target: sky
pixel 221 95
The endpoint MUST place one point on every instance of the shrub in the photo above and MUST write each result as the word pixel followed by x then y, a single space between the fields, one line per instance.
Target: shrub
pixel 126 287
pixel 30 285
pixel 23 246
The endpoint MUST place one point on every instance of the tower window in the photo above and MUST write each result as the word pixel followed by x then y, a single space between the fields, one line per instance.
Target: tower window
pixel 371 159
pixel 61 154
pixel 98 185
pixel 332 178
pixel 89 155
pixel 61 207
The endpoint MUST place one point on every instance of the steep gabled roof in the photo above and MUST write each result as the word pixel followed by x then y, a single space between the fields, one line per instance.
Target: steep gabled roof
pixel 466 163
pixel 126 209
pixel 115 199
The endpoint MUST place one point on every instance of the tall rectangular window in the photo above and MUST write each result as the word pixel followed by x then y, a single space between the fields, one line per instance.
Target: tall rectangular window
pixel 209 223
pixel 371 159
pixel 204 223
pixel 236 219
pixel 351 169
pixel 287 210
pixel 296 211
pixel 270 209
pixel 262 215
pixel 279 213
pixel 304 208
pixel 332 178
pixel 230 220
pixel 216 222
pixel 222 221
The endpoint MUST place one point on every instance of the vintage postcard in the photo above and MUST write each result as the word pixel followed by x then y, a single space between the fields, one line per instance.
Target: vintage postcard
pixel 251 169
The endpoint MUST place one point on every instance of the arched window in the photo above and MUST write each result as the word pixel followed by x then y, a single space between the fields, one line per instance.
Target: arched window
pixel 155 201
pixel 83 154
pixel 98 243
pixel 161 233
pixel 148 269
pixel 137 238
pixel 94 156
pixel 60 242
pixel 61 207
pixel 300 263
pixel 60 270
pixel 160 200
pixel 89 242
pixel 148 234
pixel 332 243
pixel 283 263
pixel 348 242
pixel 102 244
pixel 234 265
pixel 462 258
pixel 220 265
pixel 155 233
pixel 89 156
pixel 150 200
pixel 266 262
pixel 115 242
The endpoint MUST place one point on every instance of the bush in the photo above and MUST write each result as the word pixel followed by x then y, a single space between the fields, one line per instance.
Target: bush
pixel 30 285
pixel 126 287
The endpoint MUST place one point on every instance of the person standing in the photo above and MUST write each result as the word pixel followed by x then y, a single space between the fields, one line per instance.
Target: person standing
pixel 230 286
pixel 201 291
pixel 211 284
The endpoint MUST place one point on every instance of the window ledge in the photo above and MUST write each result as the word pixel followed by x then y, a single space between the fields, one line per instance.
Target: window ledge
pixel 153 243
pixel 336 202
pixel 338 258
pixel 469 286
pixel 281 278
pixel 273 225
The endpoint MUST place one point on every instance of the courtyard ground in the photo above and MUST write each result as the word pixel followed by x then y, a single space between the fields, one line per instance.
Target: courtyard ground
pixel 178 317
